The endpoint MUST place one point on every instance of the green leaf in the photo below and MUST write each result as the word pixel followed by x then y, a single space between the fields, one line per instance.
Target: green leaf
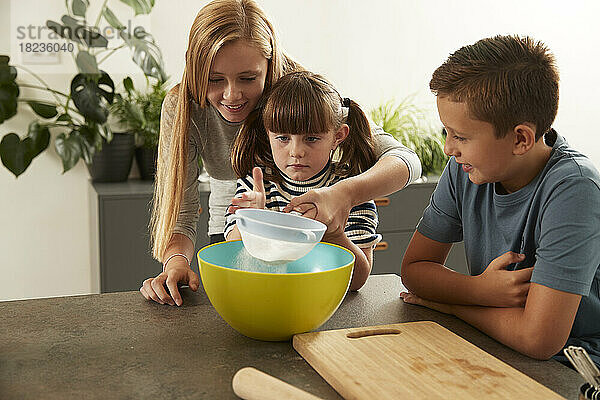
pixel 44 110
pixel 79 7
pixel 112 20
pixel 140 6
pixel 64 117
pixel 17 154
pixel 146 54
pixel 9 90
pixel 92 141
pixel 86 63
pixel 106 133
pixel 91 97
pixel 128 85
pixel 128 113
pixel 8 73
pixel 40 136
pixel 68 149
pixel 76 32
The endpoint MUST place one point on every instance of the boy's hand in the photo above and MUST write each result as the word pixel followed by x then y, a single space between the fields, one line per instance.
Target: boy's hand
pixel 255 199
pixel 411 298
pixel 498 287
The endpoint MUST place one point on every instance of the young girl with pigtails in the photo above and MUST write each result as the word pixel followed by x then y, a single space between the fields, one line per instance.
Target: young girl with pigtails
pixel 233 55
pixel 306 137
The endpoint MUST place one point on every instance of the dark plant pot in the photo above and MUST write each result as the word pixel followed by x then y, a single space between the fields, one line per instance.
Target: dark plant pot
pixel 146 162
pixel 113 162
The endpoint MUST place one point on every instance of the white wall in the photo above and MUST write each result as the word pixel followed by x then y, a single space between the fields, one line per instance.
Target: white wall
pixel 373 50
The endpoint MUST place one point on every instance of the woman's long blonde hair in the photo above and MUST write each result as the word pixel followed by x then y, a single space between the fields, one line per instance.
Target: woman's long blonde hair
pixel 218 23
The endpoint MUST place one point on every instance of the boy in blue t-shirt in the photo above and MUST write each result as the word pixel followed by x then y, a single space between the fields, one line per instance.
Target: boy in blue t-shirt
pixel 526 205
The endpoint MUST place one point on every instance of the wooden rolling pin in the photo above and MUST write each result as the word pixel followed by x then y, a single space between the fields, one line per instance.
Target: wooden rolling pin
pixel 251 384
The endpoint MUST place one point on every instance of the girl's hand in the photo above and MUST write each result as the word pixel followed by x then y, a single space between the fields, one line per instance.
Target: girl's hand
pixel 410 298
pixel 327 205
pixel 177 271
pixel 498 287
pixel 255 199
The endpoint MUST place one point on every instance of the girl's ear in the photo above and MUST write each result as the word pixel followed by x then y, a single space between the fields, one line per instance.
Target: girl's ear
pixel 340 135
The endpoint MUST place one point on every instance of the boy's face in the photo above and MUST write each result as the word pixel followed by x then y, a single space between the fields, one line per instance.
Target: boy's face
pixel 474 145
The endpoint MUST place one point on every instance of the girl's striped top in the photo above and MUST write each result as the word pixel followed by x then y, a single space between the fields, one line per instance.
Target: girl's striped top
pixel 362 221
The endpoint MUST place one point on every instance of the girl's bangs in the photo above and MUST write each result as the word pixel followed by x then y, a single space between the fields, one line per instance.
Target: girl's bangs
pixel 296 111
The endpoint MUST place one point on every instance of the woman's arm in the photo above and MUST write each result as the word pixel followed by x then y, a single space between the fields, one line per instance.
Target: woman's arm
pixel 388 175
pixel 396 167
pixel 334 203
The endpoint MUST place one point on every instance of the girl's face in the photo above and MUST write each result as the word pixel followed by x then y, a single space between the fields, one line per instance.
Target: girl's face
pixel 301 157
pixel 236 80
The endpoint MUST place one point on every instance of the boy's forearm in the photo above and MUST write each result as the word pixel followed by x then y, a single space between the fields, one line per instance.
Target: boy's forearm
pixel 435 282
pixel 388 175
pixel 511 327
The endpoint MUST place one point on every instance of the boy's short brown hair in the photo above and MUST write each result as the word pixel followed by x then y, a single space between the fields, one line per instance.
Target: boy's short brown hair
pixel 504 80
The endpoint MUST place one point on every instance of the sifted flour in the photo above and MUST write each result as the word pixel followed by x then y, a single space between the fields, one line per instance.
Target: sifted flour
pixel 245 262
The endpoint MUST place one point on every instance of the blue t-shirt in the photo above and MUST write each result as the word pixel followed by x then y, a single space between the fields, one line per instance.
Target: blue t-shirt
pixel 554 221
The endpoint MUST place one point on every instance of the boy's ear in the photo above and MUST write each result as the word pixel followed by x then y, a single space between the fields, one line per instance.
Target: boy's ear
pixel 341 135
pixel 524 138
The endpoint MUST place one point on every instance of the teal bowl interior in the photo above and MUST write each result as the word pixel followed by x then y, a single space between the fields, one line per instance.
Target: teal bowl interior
pixel 232 255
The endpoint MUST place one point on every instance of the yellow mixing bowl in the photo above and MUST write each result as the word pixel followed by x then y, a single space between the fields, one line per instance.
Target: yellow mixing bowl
pixel 283 300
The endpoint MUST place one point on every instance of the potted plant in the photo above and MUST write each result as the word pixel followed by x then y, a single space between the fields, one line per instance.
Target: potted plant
pixel 408 124
pixel 139 113
pixel 80 115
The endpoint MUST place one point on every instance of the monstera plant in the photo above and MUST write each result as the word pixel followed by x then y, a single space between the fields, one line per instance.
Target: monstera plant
pixel 80 115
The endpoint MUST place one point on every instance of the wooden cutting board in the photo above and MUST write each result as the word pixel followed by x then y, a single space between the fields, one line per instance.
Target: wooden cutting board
pixel 414 360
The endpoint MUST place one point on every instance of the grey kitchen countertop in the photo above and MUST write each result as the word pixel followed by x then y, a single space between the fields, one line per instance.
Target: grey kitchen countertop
pixel 120 346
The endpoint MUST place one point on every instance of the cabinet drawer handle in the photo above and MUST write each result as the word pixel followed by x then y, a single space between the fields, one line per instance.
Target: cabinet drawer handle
pixel 382 201
pixel 381 246
pixel 200 210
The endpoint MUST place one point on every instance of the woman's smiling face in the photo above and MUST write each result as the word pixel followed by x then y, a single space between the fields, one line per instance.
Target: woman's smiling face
pixel 236 80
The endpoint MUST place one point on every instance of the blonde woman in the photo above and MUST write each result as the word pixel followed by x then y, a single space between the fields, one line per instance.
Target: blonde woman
pixel 233 55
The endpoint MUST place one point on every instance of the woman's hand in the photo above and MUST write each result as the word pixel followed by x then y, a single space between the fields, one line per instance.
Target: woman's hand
pixel 255 199
pixel 329 205
pixel 177 271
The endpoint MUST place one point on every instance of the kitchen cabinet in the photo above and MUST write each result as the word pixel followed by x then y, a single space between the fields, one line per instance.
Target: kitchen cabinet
pixel 120 240
pixel 399 214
